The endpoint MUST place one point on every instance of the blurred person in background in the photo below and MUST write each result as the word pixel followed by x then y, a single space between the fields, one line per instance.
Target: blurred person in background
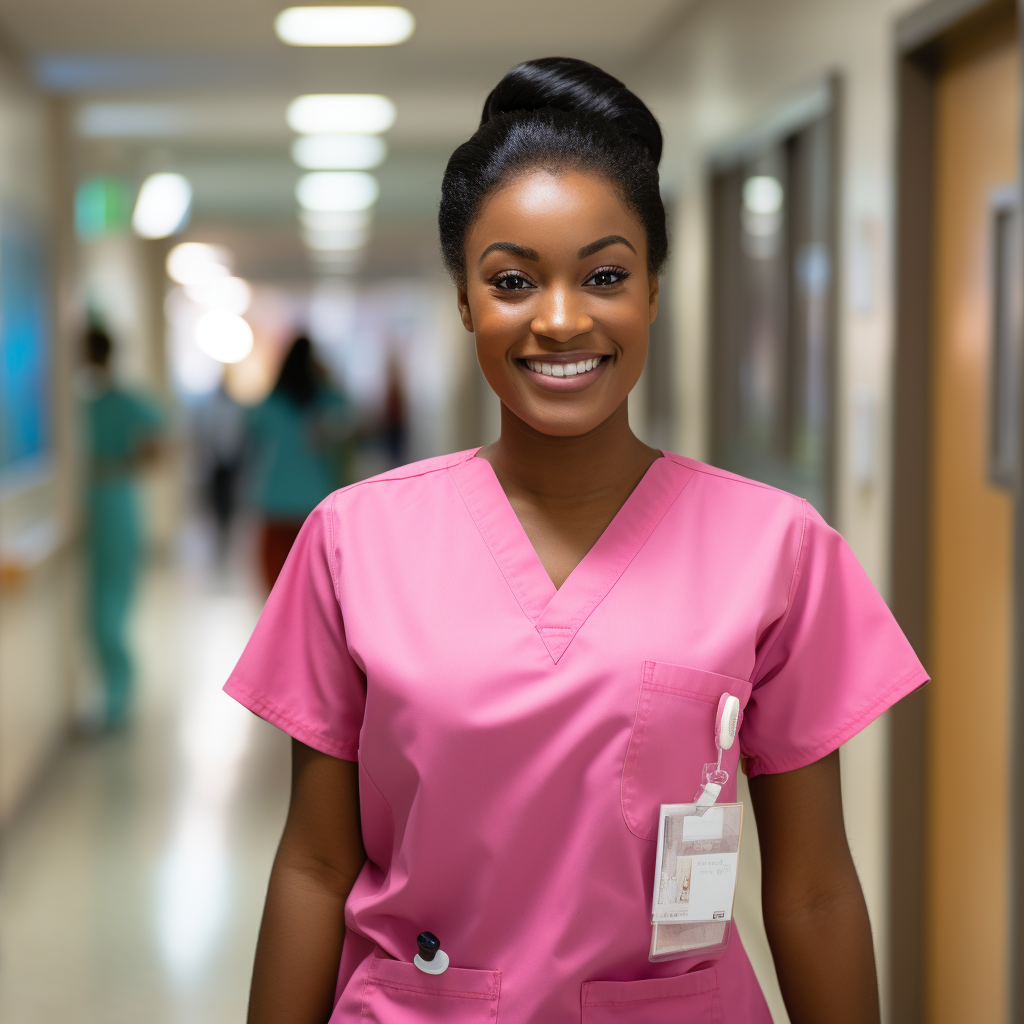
pixel 220 432
pixel 296 436
pixel 122 433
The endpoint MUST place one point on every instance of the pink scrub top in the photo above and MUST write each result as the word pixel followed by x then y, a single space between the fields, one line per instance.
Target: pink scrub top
pixel 515 741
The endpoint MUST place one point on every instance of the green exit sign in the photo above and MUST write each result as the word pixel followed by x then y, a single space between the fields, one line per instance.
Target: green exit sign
pixel 103 206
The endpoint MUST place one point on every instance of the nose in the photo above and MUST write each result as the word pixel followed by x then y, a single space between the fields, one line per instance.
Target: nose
pixel 561 316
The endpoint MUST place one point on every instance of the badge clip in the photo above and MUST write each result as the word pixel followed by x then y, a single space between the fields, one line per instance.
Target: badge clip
pixel 714 776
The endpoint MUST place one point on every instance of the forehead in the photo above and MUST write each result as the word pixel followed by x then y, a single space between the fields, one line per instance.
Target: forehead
pixel 562 208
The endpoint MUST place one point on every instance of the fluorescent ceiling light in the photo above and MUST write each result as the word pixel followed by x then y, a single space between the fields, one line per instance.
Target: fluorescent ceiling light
pixel 362 113
pixel 339 152
pixel 344 26
pixel 762 194
pixel 352 220
pixel 195 262
pixel 163 205
pixel 335 241
pixel 230 294
pixel 337 191
pixel 224 336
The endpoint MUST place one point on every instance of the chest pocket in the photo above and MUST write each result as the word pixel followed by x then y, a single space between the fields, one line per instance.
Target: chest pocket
pixel 672 740
pixel 396 992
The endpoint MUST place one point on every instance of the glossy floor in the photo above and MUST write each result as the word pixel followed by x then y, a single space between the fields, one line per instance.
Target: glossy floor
pixel 134 877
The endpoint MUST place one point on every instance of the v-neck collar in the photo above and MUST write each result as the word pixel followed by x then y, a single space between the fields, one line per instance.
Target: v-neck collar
pixel 557 614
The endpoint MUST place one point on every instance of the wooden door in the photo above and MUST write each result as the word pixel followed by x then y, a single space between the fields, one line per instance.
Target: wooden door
pixel 977 114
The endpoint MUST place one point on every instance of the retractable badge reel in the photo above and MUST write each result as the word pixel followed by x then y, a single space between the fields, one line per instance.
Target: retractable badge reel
pixel 697 858
pixel 727 721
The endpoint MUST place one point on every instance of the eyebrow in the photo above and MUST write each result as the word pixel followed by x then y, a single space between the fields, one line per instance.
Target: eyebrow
pixel 602 243
pixel 510 247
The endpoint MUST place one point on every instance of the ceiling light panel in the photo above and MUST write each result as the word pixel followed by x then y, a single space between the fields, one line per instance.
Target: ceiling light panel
pixel 162 207
pixel 337 191
pixel 230 294
pixel 354 220
pixel 224 336
pixel 344 26
pixel 339 152
pixel 196 262
pixel 335 241
pixel 332 113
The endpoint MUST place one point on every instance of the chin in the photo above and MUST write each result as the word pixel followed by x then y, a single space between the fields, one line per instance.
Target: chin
pixel 564 426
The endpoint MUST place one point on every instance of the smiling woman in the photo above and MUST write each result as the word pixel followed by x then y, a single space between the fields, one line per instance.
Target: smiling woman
pixel 499 665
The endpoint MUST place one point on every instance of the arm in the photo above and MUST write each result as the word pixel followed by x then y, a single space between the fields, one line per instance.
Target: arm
pixel 320 855
pixel 814 910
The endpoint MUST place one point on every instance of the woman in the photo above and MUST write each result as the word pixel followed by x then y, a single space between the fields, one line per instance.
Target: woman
pixel 497 665
pixel 294 434
pixel 122 430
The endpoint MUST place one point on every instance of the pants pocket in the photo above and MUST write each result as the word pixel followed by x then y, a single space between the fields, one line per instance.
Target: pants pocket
pixel 690 998
pixel 396 992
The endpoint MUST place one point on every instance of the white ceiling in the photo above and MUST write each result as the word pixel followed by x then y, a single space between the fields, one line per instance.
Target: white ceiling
pixel 453 27
pixel 224 80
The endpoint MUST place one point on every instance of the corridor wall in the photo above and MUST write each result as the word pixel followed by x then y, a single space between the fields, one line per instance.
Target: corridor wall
pixel 719 75
pixel 39 589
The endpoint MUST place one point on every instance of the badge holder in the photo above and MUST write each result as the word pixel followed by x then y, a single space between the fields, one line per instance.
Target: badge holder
pixel 697 860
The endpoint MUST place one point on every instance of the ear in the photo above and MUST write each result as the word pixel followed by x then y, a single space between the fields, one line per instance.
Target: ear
pixel 464 311
pixel 652 298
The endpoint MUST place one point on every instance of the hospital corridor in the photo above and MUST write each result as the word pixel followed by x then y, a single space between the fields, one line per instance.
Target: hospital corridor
pixel 511 514
pixel 135 876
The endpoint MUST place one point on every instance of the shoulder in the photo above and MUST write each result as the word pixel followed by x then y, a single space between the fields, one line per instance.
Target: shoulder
pixel 272 406
pixel 740 492
pixel 403 499
pixel 746 519
pixel 412 477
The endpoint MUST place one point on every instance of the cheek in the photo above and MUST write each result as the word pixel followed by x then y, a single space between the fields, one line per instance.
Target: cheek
pixel 498 325
pixel 627 323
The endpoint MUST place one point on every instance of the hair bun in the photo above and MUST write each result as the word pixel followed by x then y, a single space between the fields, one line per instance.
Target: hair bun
pixel 576 87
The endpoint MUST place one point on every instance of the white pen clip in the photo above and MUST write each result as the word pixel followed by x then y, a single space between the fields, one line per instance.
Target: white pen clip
pixel 727 720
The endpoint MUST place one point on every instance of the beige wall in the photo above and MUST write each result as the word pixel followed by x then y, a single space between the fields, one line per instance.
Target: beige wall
pixel 728 66
pixel 39 573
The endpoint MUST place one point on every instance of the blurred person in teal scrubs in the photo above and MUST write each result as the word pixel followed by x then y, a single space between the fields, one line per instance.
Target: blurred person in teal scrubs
pixel 122 432
pixel 297 438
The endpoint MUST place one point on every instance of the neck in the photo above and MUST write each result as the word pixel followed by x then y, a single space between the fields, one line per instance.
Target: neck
pixel 558 470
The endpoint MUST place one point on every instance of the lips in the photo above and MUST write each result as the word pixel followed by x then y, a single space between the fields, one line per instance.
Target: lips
pixel 565 371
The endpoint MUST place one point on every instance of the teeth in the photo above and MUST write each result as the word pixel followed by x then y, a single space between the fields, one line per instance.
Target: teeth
pixel 563 369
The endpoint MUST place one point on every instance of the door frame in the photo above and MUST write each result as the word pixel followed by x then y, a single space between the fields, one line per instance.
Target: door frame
pixel 918 38
pixel 801 110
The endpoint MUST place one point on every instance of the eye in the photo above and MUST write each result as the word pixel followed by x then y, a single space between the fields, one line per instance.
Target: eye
pixel 512 282
pixel 605 277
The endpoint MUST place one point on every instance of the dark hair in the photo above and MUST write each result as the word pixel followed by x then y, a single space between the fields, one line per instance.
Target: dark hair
pixel 562 113
pixel 98 346
pixel 299 379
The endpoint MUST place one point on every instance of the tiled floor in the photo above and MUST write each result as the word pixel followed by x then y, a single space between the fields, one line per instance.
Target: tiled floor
pixel 133 880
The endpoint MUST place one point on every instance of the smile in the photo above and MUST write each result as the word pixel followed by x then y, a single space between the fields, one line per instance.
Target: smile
pixel 564 369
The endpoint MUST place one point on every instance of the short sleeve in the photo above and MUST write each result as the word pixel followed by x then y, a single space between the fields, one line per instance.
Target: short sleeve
pixel 831 665
pixel 296 671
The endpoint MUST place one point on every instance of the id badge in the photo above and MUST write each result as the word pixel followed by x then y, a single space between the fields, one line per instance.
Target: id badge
pixel 698 859
pixel 695 879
